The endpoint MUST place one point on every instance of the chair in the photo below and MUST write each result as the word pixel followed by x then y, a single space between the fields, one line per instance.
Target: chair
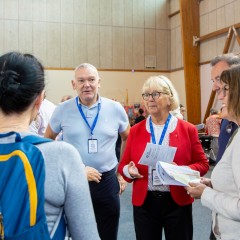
pixel 206 142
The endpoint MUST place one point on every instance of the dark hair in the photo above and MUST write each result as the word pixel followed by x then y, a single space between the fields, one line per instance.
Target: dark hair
pixel 21 81
pixel 229 58
pixel 180 105
pixel 140 110
pixel 232 78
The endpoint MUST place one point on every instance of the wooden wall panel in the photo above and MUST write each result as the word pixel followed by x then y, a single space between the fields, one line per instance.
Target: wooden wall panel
pixel 10 35
pixel 162 11
pixel 118 47
pixel 25 10
pixel 11 9
pixel 128 48
pixel 45 16
pixel 106 12
pixel 173 49
pixel 178 45
pixel 1 9
pixel 128 13
pixel 204 25
pixel 138 13
pixel 80 44
pixel 150 42
pixel 163 59
pixel 1 36
pixel 93 7
pixel 25 36
pixel 53 11
pixel 80 11
pixel 105 47
pixel 212 22
pixel 150 14
pixel 93 49
pixel 220 19
pixel 229 14
pixel 220 3
pixel 67 46
pixel 189 13
pixel 40 41
pixel 212 48
pixel 204 51
pixel 174 6
pixel 138 49
pixel 53 44
pixel 39 10
pixel 67 11
pixel 237 11
pixel 118 13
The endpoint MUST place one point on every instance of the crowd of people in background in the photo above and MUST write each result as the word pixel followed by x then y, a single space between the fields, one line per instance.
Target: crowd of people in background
pixel 100 148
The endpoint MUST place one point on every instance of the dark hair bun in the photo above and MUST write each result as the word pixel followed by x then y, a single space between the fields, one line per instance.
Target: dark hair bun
pixel 9 81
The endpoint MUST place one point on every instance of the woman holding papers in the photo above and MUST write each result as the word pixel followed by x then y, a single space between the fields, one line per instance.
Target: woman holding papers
pixel 157 206
pixel 221 193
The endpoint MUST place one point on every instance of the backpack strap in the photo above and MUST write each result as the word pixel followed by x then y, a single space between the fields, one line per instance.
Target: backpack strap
pixel 59 228
pixel 17 139
pixel 34 139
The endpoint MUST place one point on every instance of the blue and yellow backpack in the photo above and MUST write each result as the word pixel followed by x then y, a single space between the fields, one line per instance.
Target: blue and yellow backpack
pixel 22 176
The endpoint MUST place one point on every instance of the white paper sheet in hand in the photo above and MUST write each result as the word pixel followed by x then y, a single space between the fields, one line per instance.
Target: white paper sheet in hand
pixel 170 174
pixel 155 152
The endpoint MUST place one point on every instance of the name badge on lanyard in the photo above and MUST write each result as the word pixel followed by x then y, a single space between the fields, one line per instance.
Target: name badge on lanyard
pixel 155 180
pixel 92 143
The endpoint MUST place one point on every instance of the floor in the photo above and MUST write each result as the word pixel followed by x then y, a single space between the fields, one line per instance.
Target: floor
pixel 201 218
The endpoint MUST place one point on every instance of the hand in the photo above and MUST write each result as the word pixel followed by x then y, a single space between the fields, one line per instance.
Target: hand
pixel 195 190
pixel 122 183
pixel 206 181
pixel 133 170
pixel 93 175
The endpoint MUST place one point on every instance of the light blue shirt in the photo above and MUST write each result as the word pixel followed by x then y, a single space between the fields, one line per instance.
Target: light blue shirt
pixel 111 121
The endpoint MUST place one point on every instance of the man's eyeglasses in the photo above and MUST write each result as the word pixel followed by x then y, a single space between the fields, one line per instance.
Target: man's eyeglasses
pixel 154 95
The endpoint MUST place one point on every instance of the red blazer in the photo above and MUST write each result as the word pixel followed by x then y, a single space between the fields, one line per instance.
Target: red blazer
pixel 189 152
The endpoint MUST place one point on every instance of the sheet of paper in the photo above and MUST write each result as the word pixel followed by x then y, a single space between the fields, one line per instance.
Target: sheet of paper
pixel 170 174
pixel 155 152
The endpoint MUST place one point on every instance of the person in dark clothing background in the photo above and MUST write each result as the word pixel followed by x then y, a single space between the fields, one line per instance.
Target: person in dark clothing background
pixel 140 116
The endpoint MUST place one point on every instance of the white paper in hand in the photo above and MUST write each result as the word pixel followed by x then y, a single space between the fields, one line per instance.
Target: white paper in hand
pixel 155 152
pixel 171 174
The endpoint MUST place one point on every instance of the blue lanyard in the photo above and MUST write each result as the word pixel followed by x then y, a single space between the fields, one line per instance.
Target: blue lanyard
pixel 84 117
pixel 163 132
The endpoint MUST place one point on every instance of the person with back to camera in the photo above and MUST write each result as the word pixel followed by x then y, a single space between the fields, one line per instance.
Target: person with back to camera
pixel 155 206
pixel 21 94
pixel 221 193
pixel 91 123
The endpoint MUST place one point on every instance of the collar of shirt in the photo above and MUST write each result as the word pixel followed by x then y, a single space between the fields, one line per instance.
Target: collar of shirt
pixel 93 106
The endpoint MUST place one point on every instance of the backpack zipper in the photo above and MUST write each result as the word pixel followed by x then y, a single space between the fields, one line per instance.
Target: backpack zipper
pixel 1 227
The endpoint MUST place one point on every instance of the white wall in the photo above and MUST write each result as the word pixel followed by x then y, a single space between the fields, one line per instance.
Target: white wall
pixel 116 85
pixel 178 81
pixel 113 84
pixel 206 89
